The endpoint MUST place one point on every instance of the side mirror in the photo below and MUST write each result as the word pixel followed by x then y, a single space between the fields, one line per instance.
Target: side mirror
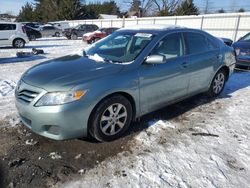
pixel 155 59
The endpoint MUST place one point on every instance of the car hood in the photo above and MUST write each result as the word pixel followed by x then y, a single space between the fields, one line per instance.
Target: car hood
pixel 63 73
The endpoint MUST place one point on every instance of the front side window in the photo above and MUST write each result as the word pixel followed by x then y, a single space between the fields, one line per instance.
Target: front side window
pixel 170 47
pixel 197 43
pixel 120 47
pixel 246 38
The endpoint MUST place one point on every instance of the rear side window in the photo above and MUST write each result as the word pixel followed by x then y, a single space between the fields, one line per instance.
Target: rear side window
pixel 6 27
pixel 197 43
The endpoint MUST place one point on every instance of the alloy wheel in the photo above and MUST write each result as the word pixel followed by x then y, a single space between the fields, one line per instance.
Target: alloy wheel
pixel 218 83
pixel 113 119
pixel 19 43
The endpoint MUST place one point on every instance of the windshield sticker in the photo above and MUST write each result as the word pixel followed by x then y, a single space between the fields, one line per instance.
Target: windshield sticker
pixel 146 35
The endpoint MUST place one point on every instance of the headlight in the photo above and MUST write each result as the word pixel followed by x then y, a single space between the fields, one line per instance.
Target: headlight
pixel 57 98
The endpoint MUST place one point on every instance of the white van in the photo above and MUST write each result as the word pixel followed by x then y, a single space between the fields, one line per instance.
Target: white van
pixel 13 33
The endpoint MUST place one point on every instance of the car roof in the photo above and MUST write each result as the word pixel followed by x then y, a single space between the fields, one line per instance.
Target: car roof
pixel 154 28
pixel 3 22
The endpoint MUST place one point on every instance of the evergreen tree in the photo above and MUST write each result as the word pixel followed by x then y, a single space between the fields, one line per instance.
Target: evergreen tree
pixel 27 13
pixel 187 7
pixel 241 10
pixel 221 10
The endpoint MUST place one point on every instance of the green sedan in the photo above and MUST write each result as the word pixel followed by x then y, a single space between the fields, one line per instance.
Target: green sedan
pixel 130 73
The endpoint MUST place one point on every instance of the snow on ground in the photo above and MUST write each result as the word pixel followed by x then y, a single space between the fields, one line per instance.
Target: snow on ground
pixel 207 146
pixel 11 68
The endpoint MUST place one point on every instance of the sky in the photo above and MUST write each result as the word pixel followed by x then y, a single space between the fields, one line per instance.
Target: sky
pixel 14 6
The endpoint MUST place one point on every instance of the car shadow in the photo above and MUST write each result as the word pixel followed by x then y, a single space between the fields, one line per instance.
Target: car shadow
pixel 237 81
pixel 52 39
pixel 1 175
pixel 8 60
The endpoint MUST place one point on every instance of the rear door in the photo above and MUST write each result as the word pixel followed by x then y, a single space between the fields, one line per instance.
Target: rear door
pixel 203 54
pixel 161 84
pixel 6 31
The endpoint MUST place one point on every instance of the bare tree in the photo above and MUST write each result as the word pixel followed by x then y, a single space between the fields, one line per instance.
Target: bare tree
pixel 166 7
pixel 142 7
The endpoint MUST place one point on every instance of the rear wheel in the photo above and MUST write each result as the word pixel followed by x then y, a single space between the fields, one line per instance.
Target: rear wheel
pixel 18 43
pixel 73 36
pixel 111 118
pixel 57 34
pixel 217 84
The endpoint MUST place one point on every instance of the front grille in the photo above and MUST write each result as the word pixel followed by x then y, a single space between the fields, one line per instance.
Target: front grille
pixel 27 96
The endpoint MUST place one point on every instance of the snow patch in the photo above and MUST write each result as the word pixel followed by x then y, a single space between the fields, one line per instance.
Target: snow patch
pixel 7 87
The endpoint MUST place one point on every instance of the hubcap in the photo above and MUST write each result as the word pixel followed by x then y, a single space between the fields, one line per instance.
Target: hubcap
pixel 113 119
pixel 218 83
pixel 19 43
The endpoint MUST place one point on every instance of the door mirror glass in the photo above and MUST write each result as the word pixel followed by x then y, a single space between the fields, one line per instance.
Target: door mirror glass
pixel 155 59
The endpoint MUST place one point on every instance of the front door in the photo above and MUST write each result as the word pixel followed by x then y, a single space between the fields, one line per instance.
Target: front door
pixel 163 83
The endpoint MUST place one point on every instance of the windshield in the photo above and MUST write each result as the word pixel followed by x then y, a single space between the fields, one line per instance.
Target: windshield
pixel 119 47
pixel 246 38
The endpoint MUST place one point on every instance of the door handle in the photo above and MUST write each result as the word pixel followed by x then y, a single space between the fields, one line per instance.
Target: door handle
pixel 184 64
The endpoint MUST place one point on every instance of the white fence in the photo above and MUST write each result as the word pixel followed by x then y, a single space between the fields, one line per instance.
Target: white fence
pixel 228 25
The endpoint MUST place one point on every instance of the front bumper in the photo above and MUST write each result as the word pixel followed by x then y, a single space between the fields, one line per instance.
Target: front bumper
pixel 56 122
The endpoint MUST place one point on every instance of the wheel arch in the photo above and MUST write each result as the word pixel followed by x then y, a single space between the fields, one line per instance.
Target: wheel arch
pixel 226 69
pixel 128 96
pixel 17 39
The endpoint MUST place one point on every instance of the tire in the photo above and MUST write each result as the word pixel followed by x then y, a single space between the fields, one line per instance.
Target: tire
pixel 96 39
pixel 18 43
pixel 32 37
pixel 57 34
pixel 105 124
pixel 217 84
pixel 73 37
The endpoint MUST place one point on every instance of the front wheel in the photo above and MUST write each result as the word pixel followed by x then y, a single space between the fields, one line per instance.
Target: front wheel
pixel 111 118
pixel 217 84
pixel 57 34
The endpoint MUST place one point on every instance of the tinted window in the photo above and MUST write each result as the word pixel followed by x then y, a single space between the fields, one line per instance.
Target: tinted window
pixel 7 27
pixel 197 43
pixel 48 28
pixel 170 47
pixel 246 38
pixel 83 27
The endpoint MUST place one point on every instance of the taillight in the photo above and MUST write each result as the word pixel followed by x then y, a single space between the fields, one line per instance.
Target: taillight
pixel 23 28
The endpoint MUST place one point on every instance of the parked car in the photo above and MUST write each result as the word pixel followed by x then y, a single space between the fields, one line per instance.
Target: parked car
pixel 34 25
pixel 13 33
pixel 48 31
pixel 60 25
pixel 242 49
pixel 227 41
pixel 94 36
pixel 79 30
pixel 130 73
pixel 32 33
